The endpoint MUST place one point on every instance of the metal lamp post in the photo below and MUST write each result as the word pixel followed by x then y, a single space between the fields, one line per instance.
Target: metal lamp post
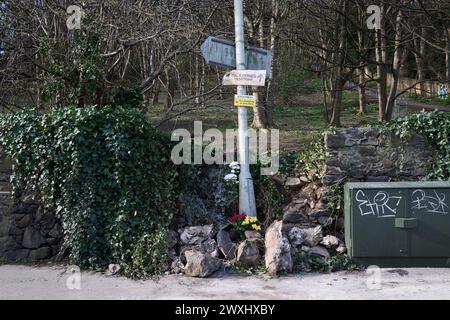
pixel 247 204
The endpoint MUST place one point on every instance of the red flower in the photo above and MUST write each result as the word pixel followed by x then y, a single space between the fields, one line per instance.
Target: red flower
pixel 237 216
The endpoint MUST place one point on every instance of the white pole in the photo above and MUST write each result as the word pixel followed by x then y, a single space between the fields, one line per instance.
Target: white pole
pixel 247 204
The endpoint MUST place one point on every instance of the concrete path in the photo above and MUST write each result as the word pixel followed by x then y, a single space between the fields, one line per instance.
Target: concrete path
pixel 54 282
pixel 372 97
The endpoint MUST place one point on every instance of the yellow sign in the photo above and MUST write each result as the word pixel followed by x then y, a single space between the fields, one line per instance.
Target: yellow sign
pixel 244 101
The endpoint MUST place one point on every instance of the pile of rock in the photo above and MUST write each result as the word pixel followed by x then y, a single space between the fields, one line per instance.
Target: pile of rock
pixel 199 251
pixel 294 247
pixel 288 244
pixel 304 231
pixel 308 202
pixel 194 251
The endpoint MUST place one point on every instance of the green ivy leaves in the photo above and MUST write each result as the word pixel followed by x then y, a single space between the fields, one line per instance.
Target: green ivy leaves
pixel 107 172
pixel 435 127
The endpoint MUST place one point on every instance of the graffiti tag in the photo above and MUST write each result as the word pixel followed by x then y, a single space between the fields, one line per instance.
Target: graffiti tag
pixel 431 202
pixel 381 205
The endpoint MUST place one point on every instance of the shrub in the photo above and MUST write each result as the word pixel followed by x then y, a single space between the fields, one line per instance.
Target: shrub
pixel 128 98
pixel 107 174
pixel 435 127
pixel 269 199
pixel 307 161
pixel 150 255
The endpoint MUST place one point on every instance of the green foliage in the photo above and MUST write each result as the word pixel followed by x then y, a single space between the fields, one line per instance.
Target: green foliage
pixel 150 255
pixel 446 101
pixel 128 98
pixel 431 100
pixel 77 78
pixel 289 162
pixel 269 198
pixel 107 174
pixel 335 199
pixel 309 161
pixel 435 127
pixel 338 262
pixel 313 158
pixel 236 268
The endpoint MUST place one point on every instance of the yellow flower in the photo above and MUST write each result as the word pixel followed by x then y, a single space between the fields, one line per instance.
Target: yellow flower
pixel 256 227
pixel 254 219
pixel 246 221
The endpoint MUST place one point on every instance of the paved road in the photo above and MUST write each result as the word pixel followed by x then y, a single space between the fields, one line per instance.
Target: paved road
pixel 50 282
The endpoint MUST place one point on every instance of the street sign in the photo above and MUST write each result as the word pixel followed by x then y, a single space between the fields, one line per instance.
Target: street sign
pixel 255 78
pixel 244 101
pixel 221 52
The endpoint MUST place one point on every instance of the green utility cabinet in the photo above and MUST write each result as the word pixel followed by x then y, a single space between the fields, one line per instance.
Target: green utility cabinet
pixel 398 224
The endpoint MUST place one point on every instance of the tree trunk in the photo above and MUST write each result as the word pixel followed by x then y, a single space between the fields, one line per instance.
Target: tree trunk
pixel 197 80
pixel 325 91
pixel 259 114
pixel 447 55
pixel 362 92
pixel 219 83
pixel 260 119
pixel 420 60
pixel 156 91
pixel 82 95
pixel 396 65
pixel 360 70
pixel 271 86
pixel 168 103
pixel 337 103
pixel 202 84
pixel 340 78
pixel 380 52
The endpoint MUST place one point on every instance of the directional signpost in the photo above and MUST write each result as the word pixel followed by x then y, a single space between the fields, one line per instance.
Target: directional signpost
pixel 252 65
pixel 255 78
pixel 221 52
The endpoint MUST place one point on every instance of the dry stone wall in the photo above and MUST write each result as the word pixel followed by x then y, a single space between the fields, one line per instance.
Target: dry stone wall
pixel 312 226
pixel 353 155
pixel 27 231
pixel 368 155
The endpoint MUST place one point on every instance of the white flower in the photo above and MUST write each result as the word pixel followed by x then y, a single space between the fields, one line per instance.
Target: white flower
pixel 230 176
pixel 234 165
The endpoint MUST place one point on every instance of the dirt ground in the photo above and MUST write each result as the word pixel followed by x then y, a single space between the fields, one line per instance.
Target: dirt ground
pixel 55 282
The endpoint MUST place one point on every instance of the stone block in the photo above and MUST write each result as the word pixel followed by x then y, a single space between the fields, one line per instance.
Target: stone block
pixel 32 238
pixel 17 255
pixel 8 243
pixel 40 254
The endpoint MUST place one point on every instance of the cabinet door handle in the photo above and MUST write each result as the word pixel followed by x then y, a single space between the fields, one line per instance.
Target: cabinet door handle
pixel 405 223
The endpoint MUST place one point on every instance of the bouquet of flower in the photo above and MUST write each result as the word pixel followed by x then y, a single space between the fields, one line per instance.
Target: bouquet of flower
pixel 242 222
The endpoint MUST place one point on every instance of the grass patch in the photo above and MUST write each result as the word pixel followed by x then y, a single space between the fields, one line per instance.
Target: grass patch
pixel 234 268
pixel 431 100
pixel 297 122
